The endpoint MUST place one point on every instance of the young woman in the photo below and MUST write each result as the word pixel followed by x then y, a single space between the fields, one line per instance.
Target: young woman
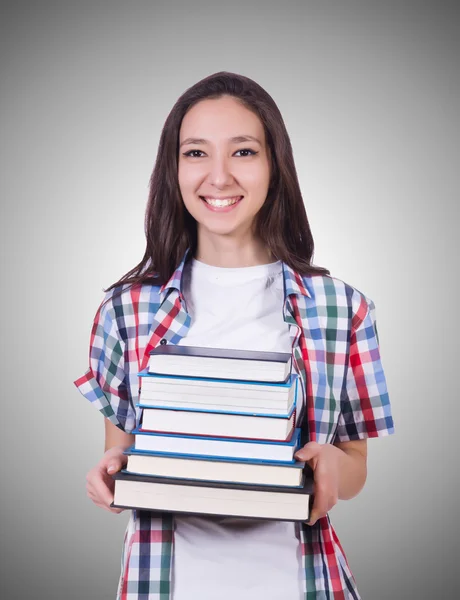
pixel 228 264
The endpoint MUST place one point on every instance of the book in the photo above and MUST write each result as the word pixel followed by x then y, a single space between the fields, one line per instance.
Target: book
pixel 198 393
pixel 193 497
pixel 207 446
pixel 229 425
pixel 212 469
pixel 219 363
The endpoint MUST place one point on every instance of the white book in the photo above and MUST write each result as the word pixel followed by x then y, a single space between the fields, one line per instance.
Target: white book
pixel 211 498
pixel 219 363
pixel 218 424
pixel 224 408
pixel 211 469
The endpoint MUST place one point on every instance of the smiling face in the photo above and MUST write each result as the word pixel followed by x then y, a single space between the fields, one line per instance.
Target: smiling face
pixel 223 166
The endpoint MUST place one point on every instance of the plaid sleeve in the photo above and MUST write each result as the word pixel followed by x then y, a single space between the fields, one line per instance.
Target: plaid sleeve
pixel 104 383
pixel 365 405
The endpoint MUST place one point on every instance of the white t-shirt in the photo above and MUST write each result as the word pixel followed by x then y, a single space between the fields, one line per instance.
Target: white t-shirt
pixel 226 558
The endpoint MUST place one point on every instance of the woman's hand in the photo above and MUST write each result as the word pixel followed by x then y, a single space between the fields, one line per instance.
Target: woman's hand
pixel 339 470
pixel 99 482
pixel 324 459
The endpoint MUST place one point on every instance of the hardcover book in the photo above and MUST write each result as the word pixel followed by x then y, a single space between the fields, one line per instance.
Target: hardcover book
pixel 219 363
pixel 207 446
pixel 211 498
pixel 212 469
pixel 218 424
pixel 198 393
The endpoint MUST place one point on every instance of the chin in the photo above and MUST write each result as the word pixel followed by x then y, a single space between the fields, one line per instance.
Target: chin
pixel 222 229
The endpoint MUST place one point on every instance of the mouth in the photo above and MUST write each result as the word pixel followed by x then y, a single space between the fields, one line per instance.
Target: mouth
pixel 221 204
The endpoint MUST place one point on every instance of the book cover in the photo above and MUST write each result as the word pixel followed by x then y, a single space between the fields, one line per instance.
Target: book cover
pixel 219 424
pixel 202 352
pixel 187 379
pixel 217 394
pixel 220 363
pixel 213 410
pixel 306 488
pixel 241 459
pixel 218 447
pixel 210 498
pixel 210 437
pixel 212 469
pixel 292 441
pixel 295 464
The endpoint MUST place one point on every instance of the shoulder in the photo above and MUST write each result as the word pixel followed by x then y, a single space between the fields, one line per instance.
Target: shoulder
pixel 128 297
pixel 123 302
pixel 331 293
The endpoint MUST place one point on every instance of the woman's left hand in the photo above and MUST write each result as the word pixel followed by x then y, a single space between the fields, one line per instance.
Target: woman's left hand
pixel 324 460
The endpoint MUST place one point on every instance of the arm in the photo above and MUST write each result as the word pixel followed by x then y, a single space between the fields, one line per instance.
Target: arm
pixel 105 385
pixel 340 469
pixel 116 437
pixel 352 467
pixel 99 482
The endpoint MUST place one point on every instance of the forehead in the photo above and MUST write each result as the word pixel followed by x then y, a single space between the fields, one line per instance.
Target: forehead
pixel 222 117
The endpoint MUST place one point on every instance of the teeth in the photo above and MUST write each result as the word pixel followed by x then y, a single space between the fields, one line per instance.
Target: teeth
pixel 220 203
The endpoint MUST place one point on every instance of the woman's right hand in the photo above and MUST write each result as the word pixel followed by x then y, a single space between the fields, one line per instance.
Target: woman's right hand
pixel 99 482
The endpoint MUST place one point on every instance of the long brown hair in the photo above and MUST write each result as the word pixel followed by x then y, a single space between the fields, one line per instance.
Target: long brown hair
pixel 282 221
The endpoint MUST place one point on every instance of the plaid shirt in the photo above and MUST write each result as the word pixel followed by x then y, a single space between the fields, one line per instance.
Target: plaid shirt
pixel 336 352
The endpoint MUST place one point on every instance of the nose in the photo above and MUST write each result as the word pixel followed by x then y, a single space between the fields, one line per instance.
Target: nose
pixel 220 174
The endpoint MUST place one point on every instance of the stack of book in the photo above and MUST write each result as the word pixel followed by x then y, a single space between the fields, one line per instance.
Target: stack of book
pixel 217 436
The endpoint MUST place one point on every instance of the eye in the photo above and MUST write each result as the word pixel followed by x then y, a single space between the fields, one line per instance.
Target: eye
pixel 253 153
pixel 190 152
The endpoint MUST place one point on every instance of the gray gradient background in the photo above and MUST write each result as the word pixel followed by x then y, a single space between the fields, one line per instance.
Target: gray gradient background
pixel 370 95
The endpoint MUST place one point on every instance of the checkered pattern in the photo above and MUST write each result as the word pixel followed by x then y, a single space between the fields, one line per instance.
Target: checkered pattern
pixel 344 397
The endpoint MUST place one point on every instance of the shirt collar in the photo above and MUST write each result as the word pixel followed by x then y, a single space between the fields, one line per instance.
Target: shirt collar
pixel 293 282
pixel 175 281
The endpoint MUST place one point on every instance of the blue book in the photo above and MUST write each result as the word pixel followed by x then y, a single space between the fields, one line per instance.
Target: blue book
pixel 217 447
pixel 218 395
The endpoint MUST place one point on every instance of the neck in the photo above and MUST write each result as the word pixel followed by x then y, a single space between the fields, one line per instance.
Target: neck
pixel 218 251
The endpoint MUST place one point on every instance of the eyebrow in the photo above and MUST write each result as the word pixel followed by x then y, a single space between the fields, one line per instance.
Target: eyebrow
pixel 234 140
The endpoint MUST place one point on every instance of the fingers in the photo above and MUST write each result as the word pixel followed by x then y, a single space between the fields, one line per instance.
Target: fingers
pixel 325 494
pixel 113 460
pixel 323 463
pixel 100 491
pixel 99 482
pixel 324 499
pixel 308 452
